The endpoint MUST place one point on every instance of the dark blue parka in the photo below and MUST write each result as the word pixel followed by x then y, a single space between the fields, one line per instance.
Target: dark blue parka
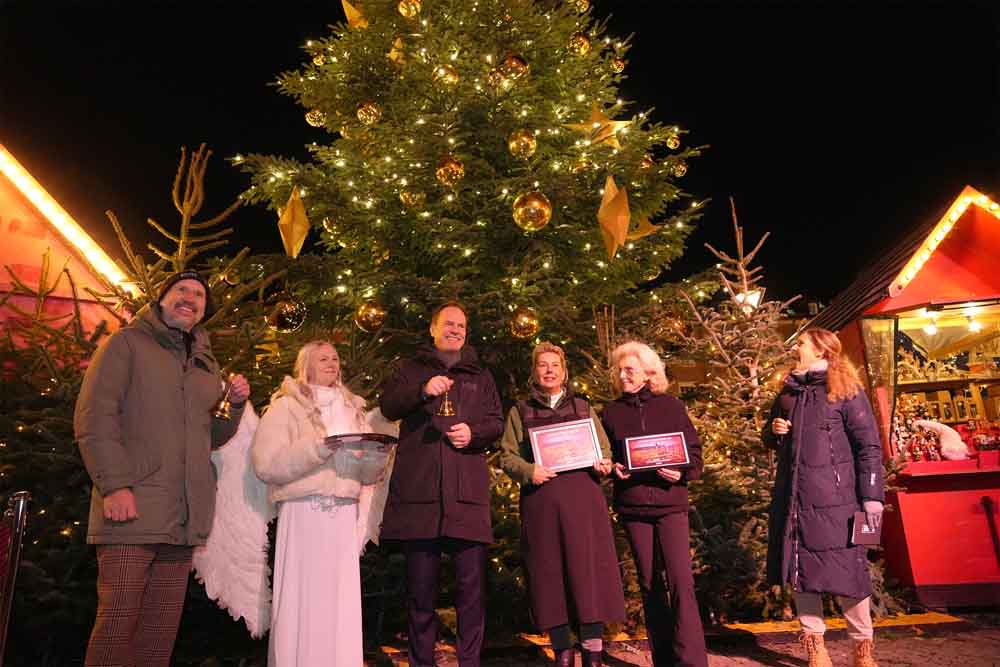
pixel 828 465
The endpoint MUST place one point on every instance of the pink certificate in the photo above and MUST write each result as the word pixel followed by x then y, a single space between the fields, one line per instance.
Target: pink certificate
pixel 657 451
pixel 565 446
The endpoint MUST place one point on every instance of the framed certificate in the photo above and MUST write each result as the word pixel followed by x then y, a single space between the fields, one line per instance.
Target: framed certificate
pixel 565 446
pixel 662 450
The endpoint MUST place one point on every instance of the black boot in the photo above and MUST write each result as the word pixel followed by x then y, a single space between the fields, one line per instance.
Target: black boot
pixel 591 658
pixel 564 657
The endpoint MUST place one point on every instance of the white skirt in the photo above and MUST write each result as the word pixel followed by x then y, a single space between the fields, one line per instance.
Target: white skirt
pixel 316 612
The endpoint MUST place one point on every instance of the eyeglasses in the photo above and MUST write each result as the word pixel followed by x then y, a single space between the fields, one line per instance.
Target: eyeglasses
pixel 631 372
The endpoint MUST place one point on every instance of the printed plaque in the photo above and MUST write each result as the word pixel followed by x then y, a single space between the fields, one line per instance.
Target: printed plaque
pixel 662 450
pixel 565 446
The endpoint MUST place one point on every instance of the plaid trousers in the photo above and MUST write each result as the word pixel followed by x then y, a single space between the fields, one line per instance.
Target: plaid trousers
pixel 140 591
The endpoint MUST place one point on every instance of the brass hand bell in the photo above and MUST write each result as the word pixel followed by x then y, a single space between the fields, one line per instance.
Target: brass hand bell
pixel 221 410
pixel 447 408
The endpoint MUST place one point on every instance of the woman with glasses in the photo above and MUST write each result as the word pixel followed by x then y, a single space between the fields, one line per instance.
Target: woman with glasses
pixel 566 537
pixel 653 504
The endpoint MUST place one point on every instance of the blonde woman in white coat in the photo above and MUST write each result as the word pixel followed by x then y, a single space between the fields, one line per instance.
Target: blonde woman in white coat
pixel 324 520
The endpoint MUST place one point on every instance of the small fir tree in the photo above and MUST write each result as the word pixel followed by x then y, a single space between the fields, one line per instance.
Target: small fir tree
pixel 738 339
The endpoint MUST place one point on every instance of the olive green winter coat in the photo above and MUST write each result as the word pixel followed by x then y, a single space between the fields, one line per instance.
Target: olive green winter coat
pixel 144 421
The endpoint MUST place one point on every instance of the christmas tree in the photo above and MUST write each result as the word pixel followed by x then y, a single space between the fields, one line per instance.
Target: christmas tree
pixel 478 150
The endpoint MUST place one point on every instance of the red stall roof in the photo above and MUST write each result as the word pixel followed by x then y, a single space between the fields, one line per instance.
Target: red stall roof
pixel 32 221
pixel 950 258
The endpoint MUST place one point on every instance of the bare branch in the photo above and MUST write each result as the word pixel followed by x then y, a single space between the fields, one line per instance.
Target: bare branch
pixel 160 228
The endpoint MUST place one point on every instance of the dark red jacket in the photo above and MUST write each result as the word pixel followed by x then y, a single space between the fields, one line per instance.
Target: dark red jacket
pixel 645 493
pixel 437 490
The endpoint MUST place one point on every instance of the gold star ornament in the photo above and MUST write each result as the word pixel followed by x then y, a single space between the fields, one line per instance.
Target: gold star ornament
pixel 293 224
pixel 355 19
pixel 396 53
pixel 613 216
pixel 600 129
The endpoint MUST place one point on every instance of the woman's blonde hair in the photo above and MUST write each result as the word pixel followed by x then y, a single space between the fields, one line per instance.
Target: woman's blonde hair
pixel 649 360
pixel 546 347
pixel 842 380
pixel 301 369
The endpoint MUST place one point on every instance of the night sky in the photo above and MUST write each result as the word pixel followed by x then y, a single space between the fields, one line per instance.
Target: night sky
pixel 836 126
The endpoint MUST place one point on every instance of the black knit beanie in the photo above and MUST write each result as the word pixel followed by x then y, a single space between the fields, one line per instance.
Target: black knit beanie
pixel 188 275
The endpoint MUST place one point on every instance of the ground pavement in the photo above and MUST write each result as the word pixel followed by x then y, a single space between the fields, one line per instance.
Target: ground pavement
pixel 932 640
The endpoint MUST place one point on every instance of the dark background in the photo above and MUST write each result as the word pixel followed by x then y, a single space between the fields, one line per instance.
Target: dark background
pixel 836 126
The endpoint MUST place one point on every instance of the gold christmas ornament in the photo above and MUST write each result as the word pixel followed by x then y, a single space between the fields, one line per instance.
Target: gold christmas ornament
pixel 613 217
pixel 679 169
pixel 579 44
pixel 355 19
pixel 532 211
pixel 673 142
pixel 522 144
pixel 369 316
pixel 329 226
pixel 524 323
pixel 412 198
pixel 293 225
pixel 316 118
pixel 513 66
pixel 287 315
pixel 319 59
pixel 600 129
pixel 445 75
pixel 408 8
pixel 647 162
pixel 449 170
pixel 369 112
pixel 581 5
pixel 618 65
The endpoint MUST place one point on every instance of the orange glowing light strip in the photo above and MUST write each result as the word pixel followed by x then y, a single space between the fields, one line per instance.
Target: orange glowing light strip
pixel 970 196
pixel 92 253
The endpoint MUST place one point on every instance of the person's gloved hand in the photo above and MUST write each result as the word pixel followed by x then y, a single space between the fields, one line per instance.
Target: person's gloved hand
pixel 873 513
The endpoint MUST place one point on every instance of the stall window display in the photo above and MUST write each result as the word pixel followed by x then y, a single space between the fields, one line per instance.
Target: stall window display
pixel 947 385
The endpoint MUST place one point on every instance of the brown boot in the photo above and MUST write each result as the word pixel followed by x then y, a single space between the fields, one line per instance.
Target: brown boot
pixel 815 650
pixel 863 654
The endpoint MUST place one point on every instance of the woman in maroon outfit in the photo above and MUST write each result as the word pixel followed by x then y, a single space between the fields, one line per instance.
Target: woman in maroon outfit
pixel 653 505
pixel 566 536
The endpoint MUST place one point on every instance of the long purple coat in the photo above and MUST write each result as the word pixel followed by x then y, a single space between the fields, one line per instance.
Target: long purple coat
pixel 827 466
pixel 437 490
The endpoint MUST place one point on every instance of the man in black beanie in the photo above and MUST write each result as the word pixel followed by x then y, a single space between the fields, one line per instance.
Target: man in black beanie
pixel 145 425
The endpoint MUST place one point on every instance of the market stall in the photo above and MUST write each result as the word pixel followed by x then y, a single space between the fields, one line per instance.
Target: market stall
pixel 33 225
pixel 924 324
